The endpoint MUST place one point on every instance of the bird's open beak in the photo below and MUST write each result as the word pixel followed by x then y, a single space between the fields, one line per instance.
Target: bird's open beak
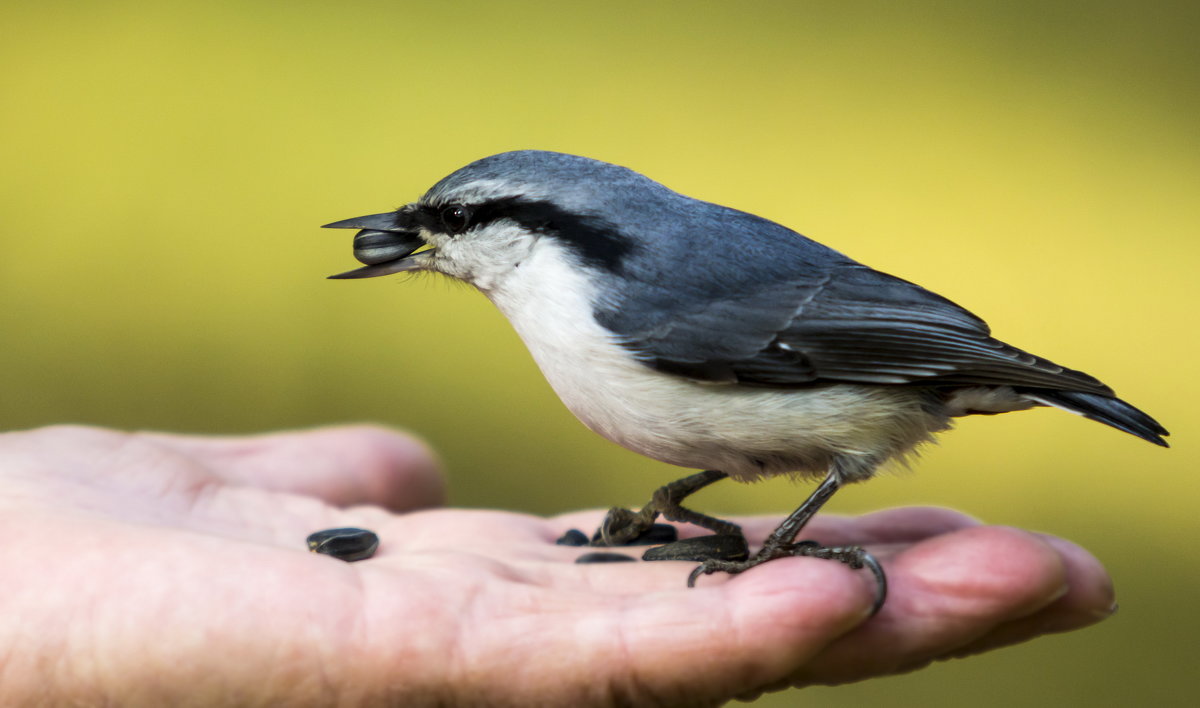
pixel 386 243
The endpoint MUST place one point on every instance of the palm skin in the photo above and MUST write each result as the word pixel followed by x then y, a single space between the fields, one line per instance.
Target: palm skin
pixel 152 569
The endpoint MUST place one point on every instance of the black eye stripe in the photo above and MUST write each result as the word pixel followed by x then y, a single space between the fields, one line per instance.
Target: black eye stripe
pixel 597 242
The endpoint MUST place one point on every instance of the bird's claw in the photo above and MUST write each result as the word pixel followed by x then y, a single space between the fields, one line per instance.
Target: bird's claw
pixel 854 557
pixel 624 527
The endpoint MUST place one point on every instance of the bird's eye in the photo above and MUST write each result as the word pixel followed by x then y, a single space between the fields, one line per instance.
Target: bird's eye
pixel 456 218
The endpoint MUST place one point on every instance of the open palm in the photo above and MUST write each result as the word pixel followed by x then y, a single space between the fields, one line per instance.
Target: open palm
pixel 152 569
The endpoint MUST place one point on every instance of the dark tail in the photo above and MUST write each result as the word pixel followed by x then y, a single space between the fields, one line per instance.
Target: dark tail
pixel 1104 409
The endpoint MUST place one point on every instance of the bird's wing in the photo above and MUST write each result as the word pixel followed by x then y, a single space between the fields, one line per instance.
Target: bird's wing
pixel 844 322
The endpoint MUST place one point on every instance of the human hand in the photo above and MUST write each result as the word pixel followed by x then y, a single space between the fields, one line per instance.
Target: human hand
pixel 150 569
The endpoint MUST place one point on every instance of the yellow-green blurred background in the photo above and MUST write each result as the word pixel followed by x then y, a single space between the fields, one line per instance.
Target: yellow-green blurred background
pixel 164 167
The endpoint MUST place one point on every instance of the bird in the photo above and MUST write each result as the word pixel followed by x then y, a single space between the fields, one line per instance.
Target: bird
pixel 710 338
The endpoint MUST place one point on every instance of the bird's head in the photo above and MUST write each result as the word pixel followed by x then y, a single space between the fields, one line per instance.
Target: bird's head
pixel 482 221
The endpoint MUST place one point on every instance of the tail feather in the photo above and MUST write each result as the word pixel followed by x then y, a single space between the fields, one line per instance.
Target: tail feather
pixel 1103 409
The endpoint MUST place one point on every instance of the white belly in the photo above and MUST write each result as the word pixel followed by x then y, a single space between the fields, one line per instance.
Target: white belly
pixel 743 431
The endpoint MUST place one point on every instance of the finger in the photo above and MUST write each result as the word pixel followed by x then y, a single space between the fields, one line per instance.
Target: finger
pixel 677 647
pixel 733 635
pixel 899 525
pixel 344 465
pixel 945 593
pixel 1089 599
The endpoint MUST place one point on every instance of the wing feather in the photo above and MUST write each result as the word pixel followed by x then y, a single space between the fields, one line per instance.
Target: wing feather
pixel 848 323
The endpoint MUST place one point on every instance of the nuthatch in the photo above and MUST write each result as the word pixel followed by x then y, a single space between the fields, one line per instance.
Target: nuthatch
pixel 706 337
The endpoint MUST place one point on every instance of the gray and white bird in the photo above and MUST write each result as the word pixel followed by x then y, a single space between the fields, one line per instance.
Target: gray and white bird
pixel 710 338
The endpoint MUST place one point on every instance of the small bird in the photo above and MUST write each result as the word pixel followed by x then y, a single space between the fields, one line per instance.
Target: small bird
pixel 710 338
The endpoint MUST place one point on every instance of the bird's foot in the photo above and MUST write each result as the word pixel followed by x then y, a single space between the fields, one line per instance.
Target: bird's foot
pixel 855 557
pixel 652 535
pixel 664 538
pixel 625 527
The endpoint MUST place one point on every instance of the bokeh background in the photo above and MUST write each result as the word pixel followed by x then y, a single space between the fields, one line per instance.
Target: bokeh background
pixel 164 167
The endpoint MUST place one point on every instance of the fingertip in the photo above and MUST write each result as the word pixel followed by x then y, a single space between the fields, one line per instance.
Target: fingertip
pixel 371 464
pixel 1091 593
pixel 944 593
pixel 993 571
pixel 1089 599
pixel 397 471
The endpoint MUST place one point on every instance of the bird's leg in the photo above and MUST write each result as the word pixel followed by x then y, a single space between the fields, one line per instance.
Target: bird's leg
pixel 782 543
pixel 623 526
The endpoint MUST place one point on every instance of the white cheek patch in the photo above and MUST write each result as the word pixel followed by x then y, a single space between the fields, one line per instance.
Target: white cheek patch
pixel 484 257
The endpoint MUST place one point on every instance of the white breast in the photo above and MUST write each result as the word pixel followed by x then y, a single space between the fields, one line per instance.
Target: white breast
pixel 746 432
